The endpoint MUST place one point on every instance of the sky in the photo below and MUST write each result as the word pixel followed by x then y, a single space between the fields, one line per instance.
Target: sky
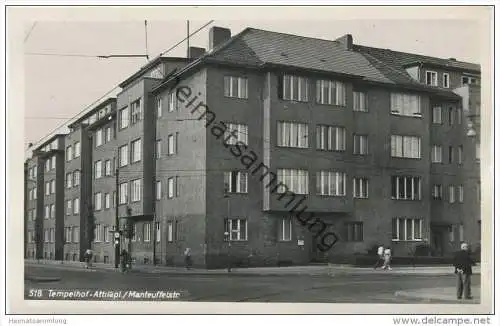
pixel 57 87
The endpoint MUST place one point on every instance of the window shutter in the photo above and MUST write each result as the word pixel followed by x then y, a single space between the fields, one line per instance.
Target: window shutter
pixel 280 86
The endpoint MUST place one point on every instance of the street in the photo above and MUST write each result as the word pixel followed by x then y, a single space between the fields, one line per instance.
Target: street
pixel 369 288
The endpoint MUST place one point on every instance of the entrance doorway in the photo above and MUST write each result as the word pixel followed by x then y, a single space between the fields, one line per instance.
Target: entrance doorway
pixel 437 241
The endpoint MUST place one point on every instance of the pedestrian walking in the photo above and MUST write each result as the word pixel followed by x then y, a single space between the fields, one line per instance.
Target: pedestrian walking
pixel 187 258
pixel 380 257
pixel 387 259
pixel 88 258
pixel 463 269
pixel 124 261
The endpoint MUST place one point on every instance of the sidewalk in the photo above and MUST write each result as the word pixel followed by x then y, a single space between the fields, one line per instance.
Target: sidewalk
pixel 311 270
pixel 443 294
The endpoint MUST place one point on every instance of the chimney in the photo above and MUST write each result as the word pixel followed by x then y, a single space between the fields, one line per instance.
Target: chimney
pixel 346 41
pixel 217 36
pixel 195 52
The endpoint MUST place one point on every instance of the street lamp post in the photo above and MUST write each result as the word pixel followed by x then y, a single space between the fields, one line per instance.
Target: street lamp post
pixel 227 235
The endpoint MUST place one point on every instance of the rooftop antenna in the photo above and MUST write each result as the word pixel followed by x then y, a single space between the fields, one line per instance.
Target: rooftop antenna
pixel 146 36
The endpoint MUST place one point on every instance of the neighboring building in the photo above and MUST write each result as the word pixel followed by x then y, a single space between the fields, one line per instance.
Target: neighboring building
pixel 375 143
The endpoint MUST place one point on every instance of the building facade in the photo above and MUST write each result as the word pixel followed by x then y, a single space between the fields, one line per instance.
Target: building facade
pixel 228 152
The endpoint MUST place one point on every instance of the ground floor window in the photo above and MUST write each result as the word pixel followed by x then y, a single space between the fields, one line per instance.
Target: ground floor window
pixel 236 229
pixel 406 229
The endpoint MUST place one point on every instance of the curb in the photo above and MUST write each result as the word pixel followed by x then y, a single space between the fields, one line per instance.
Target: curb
pixel 404 294
pixel 42 279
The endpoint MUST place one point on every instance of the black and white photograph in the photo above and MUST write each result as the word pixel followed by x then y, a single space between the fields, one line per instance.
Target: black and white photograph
pixel 210 158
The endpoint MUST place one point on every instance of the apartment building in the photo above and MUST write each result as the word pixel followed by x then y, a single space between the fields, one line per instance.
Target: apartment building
pixel 377 144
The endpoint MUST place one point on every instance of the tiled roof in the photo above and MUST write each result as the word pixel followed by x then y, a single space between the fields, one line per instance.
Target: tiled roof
pixel 402 59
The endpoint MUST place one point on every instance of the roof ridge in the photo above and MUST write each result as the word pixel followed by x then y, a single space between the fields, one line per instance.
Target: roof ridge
pixel 294 35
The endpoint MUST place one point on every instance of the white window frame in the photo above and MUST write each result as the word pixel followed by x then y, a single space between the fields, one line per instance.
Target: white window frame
pixel 241 134
pixel 408 194
pixel 415 222
pixel 158 231
pixel 360 144
pixel 146 232
pixel 433 80
pixel 123 157
pixel 98 169
pixel 53 162
pixel 123 193
pixel 330 92
pixel 296 180
pixel 136 190
pixel 158 192
pixel 52 211
pixel 360 187
pixel 437 192
pixel 172 142
pixel 159 109
pixel 99 137
pixel 136 149
pixel 69 207
pixel 293 134
pixel 107 234
pixel 236 181
pixel 330 138
pixel 460 194
pixel 158 149
pixel 170 231
pixel 136 113
pixel 76 178
pixel 77 151
pixel 407 147
pixel 437 154
pixel 107 200
pixel 76 206
pixel 286 225
pixel 47 188
pixel 408 105
pixel 446 80
pixel 437 115
pixel 107 168
pixel 302 93
pixel 52 186
pixel 124 114
pixel 172 100
pixel 236 234
pixel 236 87
pixel 331 183
pixel 97 201
pixel 69 180
pixel 171 192
pixel 69 153
pixel 451 194
pixel 108 134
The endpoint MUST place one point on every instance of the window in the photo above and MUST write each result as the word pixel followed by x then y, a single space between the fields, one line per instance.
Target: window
pixel 292 134
pixel 98 233
pixel 69 153
pixel 52 235
pixel 437 154
pixel 107 167
pixel 236 132
pixel 446 80
pixel 46 236
pixel 69 180
pixel 461 233
pixel 107 201
pixel 437 115
pixel 35 193
pixel 236 181
pixel 460 155
pixel 354 231
pixel 451 233
pixel 76 178
pixel 146 232
pixel 330 92
pixel 76 206
pixel 123 158
pixel 98 201
pixel 330 183
pixel 53 186
pixel 53 162
pixel 108 134
pixel 295 88
pixel 451 194
pixel 98 170
pixel 158 149
pixel 172 148
pixel 405 104
pixel 98 138
pixel 406 188
pixel 107 234
pixel 158 190
pixel 47 165
pixel 158 231
pixel 285 229
pixel 69 207
pixel 406 229
pixel 469 80
pixel 360 187
pixel 360 145
pixel 460 194
pixel 136 190
pixel 296 181
pixel 235 87
pixel 237 229
pixel 451 116
pixel 330 138
pixel 136 150
pixel 76 234
pixel 172 101
pixel 171 188
pixel 405 146
pixel 123 196
pixel 134 235
pixel 159 110
pixel 124 118
pixel 170 231
pixel 77 149
pixel 136 109
pixel 431 78
pixel 47 188
pixel 450 154
pixel 437 192
pixel 52 211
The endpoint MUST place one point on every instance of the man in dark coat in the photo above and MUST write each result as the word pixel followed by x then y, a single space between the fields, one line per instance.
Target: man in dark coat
pixel 463 268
